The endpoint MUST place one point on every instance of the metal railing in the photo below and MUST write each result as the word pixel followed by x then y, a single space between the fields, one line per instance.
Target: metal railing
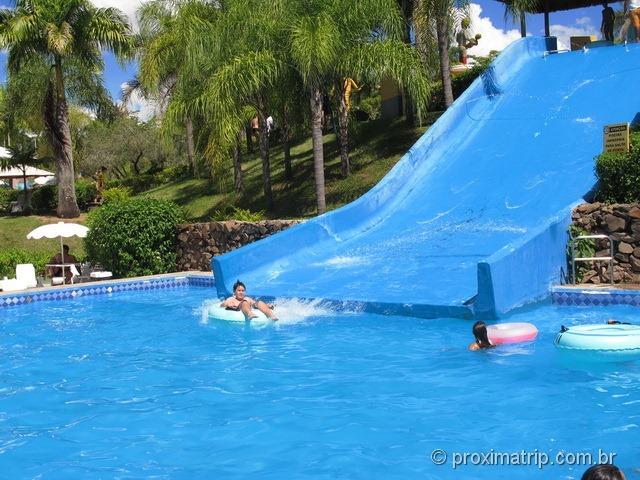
pixel 575 259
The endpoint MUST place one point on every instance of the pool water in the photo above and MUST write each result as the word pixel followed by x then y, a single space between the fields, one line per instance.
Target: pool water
pixel 144 385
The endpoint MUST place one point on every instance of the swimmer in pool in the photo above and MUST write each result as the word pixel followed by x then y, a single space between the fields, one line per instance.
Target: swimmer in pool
pixel 239 302
pixel 482 339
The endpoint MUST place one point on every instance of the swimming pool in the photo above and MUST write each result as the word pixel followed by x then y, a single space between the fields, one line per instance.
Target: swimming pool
pixel 142 385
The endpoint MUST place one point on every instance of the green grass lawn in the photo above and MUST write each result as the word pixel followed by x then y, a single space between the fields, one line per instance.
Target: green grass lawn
pixel 377 146
pixel 14 230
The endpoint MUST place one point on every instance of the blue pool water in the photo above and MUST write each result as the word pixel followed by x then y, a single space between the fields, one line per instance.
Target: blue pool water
pixel 141 385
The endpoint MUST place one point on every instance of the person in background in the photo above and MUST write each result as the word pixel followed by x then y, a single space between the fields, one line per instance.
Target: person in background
pixel 633 7
pixel 239 302
pixel 482 339
pixel 62 258
pixel 604 471
pixel 608 19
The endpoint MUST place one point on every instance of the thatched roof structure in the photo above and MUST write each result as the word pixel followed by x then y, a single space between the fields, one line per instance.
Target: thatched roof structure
pixel 549 6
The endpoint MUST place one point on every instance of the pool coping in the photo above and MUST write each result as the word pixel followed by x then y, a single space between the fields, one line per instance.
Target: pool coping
pixel 103 287
pixel 595 295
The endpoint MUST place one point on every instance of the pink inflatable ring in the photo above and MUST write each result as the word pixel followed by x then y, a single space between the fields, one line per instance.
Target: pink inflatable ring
pixel 511 333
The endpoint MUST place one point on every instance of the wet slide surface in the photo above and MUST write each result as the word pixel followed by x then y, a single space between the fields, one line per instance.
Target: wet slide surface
pixel 517 148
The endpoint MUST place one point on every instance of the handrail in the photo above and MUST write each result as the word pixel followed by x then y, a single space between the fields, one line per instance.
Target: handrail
pixel 575 259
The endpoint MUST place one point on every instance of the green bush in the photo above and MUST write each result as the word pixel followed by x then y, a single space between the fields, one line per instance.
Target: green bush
pixel 13 256
pixel 170 174
pixel 116 194
pixel 134 237
pixel 619 174
pixel 44 199
pixel 239 214
pixel 7 195
pixel 86 191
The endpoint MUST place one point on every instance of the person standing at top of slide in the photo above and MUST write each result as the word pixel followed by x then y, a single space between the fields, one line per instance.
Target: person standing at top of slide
pixel 608 19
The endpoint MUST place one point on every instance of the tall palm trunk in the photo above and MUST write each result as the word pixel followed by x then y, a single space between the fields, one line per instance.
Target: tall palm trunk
pixel 263 140
pixel 343 126
pixel 442 33
pixel 318 154
pixel 191 147
pixel 56 119
pixel 238 181
pixel 286 145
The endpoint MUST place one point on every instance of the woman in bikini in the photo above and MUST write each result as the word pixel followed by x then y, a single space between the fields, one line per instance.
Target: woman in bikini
pixel 241 303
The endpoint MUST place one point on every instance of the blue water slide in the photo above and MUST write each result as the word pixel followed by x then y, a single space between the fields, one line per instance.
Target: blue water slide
pixel 472 220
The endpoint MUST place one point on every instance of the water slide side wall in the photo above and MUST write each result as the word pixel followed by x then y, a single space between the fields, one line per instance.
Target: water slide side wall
pixel 523 271
pixel 380 202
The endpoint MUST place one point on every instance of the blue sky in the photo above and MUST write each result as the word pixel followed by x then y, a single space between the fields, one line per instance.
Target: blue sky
pixel 487 19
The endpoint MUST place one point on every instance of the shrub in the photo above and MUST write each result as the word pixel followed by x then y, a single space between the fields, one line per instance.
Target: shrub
pixel 134 237
pixel 170 174
pixel 44 199
pixel 86 191
pixel 239 214
pixel 619 174
pixel 13 256
pixel 116 194
pixel 7 195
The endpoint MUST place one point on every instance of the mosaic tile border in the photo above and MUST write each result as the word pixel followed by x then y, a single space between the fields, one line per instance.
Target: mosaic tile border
pixel 595 298
pixel 102 288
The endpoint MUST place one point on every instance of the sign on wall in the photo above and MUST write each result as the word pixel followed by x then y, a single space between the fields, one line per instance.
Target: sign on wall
pixel 616 137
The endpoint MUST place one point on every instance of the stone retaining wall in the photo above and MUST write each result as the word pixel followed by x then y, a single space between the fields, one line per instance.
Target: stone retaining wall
pixel 198 242
pixel 622 223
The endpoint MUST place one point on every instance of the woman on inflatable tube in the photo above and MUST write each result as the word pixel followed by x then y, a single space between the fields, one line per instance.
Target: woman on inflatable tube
pixel 239 302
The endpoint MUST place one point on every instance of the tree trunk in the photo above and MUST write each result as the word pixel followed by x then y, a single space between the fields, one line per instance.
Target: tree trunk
pixel 343 143
pixel 190 148
pixel 56 120
pixel 263 140
pixel 248 134
pixel 442 33
pixel 318 154
pixel 136 162
pixel 286 145
pixel 238 181
pixel 26 206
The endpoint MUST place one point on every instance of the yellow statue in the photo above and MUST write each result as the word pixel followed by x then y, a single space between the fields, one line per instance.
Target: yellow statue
pixel 465 42
pixel 347 86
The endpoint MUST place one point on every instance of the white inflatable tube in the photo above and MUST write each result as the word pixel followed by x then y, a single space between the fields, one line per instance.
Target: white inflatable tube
pixel 219 313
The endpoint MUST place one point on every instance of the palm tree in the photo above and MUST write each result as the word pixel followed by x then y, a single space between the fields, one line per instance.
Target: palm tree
pixel 164 42
pixel 435 21
pixel 61 35
pixel 334 39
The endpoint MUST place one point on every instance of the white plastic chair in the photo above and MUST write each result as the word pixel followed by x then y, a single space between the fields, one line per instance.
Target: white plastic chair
pixel 60 280
pixel 26 273
pixel 12 285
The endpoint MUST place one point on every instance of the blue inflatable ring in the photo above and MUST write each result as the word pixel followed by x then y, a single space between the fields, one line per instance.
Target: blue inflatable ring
pixel 599 337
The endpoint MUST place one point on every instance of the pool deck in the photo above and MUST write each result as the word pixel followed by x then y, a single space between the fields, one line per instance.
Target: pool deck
pixel 102 287
pixel 596 295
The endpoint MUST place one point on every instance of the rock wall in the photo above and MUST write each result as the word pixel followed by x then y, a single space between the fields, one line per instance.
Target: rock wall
pixel 622 223
pixel 198 242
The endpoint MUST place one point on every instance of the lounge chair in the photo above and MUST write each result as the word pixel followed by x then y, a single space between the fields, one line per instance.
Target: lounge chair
pixel 26 273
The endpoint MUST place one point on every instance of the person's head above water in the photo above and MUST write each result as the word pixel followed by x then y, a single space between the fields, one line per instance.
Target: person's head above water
pixel 604 471
pixel 480 332
pixel 239 289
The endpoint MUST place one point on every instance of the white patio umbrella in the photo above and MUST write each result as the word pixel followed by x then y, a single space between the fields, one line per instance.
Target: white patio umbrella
pixel 60 229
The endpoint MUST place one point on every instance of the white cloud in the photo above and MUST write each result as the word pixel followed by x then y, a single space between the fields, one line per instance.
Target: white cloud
pixel 563 32
pixel 141 107
pixel 493 38
pixel 128 7
pixel 583 21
